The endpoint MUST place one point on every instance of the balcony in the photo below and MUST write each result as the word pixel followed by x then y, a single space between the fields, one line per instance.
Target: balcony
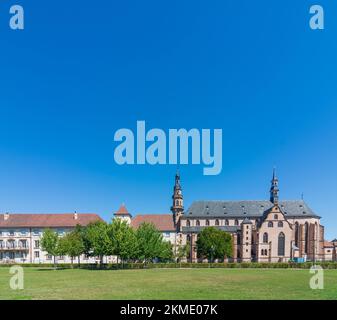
pixel 14 248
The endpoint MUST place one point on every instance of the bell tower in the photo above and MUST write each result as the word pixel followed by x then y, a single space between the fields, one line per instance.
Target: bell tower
pixel 274 190
pixel 178 200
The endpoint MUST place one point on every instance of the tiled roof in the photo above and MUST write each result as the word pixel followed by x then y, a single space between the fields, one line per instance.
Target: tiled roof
pixel 122 211
pixel 47 220
pixel 328 244
pixel 296 208
pixel 163 222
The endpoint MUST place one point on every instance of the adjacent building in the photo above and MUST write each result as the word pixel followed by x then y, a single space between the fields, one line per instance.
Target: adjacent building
pixel 20 235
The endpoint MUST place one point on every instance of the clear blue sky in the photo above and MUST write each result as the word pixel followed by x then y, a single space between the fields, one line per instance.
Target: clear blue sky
pixel 81 70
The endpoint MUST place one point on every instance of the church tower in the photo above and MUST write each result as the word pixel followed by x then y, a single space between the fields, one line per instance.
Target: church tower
pixel 274 190
pixel 178 200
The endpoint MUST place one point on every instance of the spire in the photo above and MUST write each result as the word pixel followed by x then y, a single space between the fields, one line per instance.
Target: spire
pixel 177 185
pixel 122 211
pixel 178 200
pixel 274 190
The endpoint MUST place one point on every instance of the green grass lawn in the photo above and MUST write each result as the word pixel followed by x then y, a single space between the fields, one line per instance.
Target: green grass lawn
pixel 168 284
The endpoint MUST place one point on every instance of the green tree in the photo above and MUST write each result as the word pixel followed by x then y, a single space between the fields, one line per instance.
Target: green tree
pixel 182 252
pixel 96 240
pixel 123 240
pixel 166 251
pixel 50 242
pixel 72 245
pixel 213 244
pixel 149 242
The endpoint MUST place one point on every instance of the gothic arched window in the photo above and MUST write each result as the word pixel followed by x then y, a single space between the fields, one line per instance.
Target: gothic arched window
pixel 236 222
pixel 270 224
pixel 226 222
pixel 207 222
pixel 198 223
pixel 265 237
pixel 217 222
pixel 280 224
pixel 188 223
pixel 275 216
pixel 281 244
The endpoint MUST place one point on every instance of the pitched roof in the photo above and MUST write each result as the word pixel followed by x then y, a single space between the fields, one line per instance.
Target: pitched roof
pixel 328 244
pixel 296 208
pixel 16 220
pixel 163 222
pixel 122 211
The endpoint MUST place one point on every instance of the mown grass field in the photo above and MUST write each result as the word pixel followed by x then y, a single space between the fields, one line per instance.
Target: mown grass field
pixel 168 284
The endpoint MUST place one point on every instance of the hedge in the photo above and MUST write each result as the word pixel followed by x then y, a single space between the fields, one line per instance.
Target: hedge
pixel 237 265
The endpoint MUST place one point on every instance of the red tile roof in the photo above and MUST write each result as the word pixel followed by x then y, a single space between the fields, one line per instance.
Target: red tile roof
pixel 47 220
pixel 163 222
pixel 122 211
pixel 328 244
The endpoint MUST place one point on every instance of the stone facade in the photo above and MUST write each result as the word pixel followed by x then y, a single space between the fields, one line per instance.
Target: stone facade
pixel 262 231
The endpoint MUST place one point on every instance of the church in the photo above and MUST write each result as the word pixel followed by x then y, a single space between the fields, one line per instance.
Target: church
pixel 262 231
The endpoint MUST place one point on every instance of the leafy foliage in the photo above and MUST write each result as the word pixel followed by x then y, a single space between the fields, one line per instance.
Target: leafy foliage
pixel 150 243
pixel 214 244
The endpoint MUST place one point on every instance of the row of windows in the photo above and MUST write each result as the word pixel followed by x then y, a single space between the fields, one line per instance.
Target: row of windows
pixel 264 252
pixel 236 223
pixel 24 232
pixel 18 244
pixel 271 224
pixel 11 244
pixel 216 223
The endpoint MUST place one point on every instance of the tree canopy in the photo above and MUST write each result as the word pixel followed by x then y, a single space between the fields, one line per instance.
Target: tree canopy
pixel 214 244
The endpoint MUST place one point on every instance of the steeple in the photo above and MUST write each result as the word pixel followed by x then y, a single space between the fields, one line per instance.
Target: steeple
pixel 274 190
pixel 178 200
pixel 123 214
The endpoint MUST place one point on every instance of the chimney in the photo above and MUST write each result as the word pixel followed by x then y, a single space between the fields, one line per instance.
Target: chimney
pixel 75 215
pixel 6 216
